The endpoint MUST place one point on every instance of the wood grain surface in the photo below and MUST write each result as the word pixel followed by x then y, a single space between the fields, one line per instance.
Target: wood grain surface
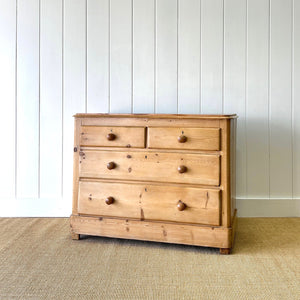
pixel 154 166
pixel 150 202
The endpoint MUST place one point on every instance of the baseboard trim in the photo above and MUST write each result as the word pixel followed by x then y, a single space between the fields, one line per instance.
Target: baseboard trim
pixel 268 207
pixel 35 207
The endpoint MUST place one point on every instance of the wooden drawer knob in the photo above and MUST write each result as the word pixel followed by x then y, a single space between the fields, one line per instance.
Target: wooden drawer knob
pixel 181 206
pixel 111 165
pixel 182 169
pixel 109 200
pixel 111 136
pixel 182 139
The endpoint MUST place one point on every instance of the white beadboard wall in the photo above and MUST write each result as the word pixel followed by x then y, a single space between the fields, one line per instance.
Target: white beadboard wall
pixel 60 57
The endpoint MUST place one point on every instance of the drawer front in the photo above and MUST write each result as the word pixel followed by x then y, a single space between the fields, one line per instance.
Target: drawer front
pixel 151 166
pixel 150 202
pixel 184 138
pixel 112 136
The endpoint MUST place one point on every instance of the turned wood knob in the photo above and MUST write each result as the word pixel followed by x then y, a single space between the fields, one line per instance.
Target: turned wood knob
pixel 182 169
pixel 180 205
pixel 182 139
pixel 109 200
pixel 111 165
pixel 111 136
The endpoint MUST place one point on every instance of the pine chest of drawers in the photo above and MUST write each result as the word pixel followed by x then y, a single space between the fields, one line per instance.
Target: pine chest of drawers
pixel 165 178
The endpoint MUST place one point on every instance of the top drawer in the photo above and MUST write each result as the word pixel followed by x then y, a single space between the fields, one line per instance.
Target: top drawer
pixel 104 136
pixel 184 138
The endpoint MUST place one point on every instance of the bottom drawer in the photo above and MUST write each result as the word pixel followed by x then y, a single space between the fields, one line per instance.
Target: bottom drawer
pixel 150 202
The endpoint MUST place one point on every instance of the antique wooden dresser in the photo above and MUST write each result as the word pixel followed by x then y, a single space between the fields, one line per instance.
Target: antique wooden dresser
pixel 165 178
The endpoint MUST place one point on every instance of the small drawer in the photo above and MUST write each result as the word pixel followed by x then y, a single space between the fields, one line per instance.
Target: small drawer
pixel 184 138
pixel 151 166
pixel 103 136
pixel 150 202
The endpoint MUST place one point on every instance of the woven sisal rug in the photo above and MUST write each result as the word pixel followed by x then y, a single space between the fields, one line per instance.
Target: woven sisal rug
pixel 39 260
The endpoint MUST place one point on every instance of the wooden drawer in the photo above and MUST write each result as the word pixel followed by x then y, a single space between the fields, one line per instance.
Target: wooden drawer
pixel 151 166
pixel 184 138
pixel 150 202
pixel 112 136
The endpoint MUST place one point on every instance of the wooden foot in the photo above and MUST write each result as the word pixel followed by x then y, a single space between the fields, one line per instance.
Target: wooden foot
pixel 75 236
pixel 225 251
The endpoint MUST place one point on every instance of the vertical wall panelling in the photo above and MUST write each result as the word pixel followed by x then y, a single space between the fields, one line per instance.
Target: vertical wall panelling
pixel 296 101
pixel 97 55
pixel 61 57
pixel 143 55
pixel 189 56
pixel 7 95
pixel 74 79
pixel 121 56
pixel 50 98
pixel 28 99
pixel 257 103
pixel 235 79
pixel 211 56
pixel 166 56
pixel 280 99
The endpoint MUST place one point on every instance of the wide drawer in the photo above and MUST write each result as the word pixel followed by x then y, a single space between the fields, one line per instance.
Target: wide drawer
pixel 184 138
pixel 150 202
pixel 151 166
pixel 112 136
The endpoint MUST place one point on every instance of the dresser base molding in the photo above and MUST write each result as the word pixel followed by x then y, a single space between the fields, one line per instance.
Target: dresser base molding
pixel 197 235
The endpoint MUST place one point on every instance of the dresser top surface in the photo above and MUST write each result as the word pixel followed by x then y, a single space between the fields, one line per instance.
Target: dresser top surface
pixel 154 116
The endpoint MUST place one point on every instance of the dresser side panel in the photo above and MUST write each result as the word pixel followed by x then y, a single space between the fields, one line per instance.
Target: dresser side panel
pixel 233 165
pixel 225 173
pixel 76 150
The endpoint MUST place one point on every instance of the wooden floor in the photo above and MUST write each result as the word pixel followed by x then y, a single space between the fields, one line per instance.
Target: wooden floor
pixel 38 260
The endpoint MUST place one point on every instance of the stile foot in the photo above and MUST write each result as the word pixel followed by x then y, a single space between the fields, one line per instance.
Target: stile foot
pixel 225 251
pixel 75 236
